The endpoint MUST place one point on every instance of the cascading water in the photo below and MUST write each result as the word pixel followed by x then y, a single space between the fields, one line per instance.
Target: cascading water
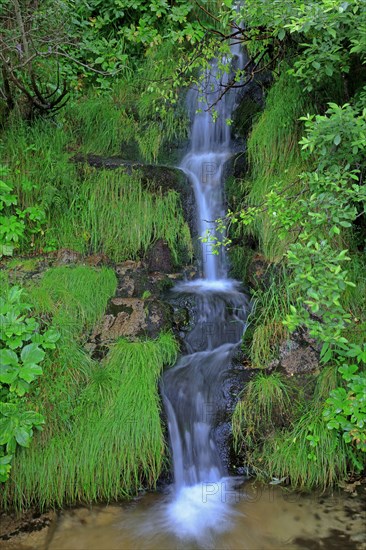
pixel 192 389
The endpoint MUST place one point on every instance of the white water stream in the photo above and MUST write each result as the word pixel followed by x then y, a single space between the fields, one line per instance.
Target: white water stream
pixel 192 389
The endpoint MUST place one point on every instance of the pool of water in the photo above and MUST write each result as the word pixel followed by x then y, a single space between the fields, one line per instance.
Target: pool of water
pixel 220 516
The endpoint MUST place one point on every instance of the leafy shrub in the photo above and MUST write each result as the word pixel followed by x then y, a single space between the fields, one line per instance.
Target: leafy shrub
pixel 22 350
pixel 17 226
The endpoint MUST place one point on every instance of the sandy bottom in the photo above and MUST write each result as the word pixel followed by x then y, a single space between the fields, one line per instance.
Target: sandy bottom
pixel 218 516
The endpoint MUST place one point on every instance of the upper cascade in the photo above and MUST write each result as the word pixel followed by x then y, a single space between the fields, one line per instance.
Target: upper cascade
pixel 204 163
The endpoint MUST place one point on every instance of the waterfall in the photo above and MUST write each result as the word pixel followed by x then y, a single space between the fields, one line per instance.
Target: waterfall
pixel 192 390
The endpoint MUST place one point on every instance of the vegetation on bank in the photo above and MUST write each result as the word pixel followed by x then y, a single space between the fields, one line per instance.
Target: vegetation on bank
pixel 303 203
pixel 102 436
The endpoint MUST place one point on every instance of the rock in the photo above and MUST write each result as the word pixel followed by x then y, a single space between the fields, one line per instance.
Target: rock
pixel 235 380
pixel 259 272
pixel 66 256
pixel 250 104
pixel 96 260
pixel 131 318
pixel 298 355
pixel 30 531
pixel 159 257
pixel 128 265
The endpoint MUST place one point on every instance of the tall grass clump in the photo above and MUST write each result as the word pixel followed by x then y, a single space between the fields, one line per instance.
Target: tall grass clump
pixel 283 437
pixel 266 329
pixel 274 156
pixel 77 294
pixel 100 124
pixel 115 445
pixel 291 454
pixel 114 214
pixel 75 298
pixel 266 402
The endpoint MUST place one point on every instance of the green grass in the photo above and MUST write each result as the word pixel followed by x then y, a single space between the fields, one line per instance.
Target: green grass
pixel 128 117
pixel 77 294
pixel 290 454
pixel 74 298
pixel 114 447
pixel 103 437
pixel 270 306
pixel 100 124
pixel 38 154
pixel 274 158
pixel 114 214
pixel 266 402
pixel 274 426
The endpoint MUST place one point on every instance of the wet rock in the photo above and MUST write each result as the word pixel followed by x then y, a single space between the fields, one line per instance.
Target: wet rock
pixel 134 280
pixel 131 318
pixel 30 531
pixel 235 380
pixel 298 355
pixel 250 104
pixel 159 257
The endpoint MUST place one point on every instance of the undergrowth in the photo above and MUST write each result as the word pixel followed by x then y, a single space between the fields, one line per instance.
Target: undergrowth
pixel 266 330
pixel 277 428
pixel 130 115
pixel 103 438
pixel 274 158
pixel 265 403
pixel 114 214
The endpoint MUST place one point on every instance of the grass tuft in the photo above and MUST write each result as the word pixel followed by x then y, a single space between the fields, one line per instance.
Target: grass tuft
pixel 290 454
pixel 115 214
pixel 274 158
pixel 265 403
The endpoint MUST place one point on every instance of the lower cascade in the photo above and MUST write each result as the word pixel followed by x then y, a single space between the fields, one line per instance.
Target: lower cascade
pixel 192 389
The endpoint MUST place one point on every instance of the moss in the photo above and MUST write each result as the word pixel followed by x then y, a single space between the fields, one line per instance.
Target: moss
pixel 23 264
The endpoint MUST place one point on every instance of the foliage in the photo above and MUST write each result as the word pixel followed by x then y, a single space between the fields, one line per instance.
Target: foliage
pixel 17 226
pixel 56 47
pixel 23 346
pixel 345 409
pixel 314 212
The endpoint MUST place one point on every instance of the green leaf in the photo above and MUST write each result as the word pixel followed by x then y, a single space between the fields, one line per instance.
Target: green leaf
pixel 32 354
pixel 8 374
pixel 8 358
pixel 30 372
pixel 22 436
pixel 21 387
pixel 337 139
